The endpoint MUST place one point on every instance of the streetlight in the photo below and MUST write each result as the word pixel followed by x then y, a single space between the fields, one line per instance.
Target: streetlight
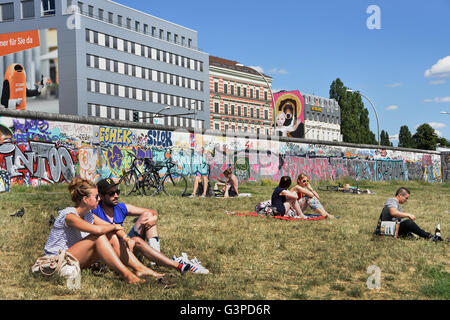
pixel 158 113
pixel 376 114
pixel 270 89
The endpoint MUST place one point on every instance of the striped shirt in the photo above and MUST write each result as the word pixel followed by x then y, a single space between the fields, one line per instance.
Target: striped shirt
pixel 62 237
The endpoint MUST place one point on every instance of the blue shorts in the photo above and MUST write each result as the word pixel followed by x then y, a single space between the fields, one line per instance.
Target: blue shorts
pixel 134 233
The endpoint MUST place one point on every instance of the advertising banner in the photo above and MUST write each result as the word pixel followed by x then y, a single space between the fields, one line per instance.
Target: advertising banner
pixel 289 114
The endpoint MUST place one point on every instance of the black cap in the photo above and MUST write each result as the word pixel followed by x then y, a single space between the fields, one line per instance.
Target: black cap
pixel 105 184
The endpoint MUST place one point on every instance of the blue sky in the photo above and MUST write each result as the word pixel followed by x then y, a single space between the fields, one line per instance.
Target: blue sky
pixel 404 67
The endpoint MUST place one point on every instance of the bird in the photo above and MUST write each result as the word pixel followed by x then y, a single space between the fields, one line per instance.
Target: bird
pixel 19 213
pixel 52 220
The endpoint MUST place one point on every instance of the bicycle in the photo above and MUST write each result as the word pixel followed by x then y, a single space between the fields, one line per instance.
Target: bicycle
pixel 172 183
pixel 132 178
pixel 346 189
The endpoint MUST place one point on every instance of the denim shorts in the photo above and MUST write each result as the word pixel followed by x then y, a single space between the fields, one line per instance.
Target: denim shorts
pixel 134 233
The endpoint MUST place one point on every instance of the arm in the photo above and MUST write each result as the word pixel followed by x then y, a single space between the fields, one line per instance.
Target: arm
pixel 75 221
pixel 289 194
pixel 297 189
pixel 398 214
pixel 120 233
pixel 138 211
pixel 310 188
pixel 235 184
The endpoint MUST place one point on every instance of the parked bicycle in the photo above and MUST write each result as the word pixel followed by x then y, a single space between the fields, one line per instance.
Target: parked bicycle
pixel 150 182
pixel 345 188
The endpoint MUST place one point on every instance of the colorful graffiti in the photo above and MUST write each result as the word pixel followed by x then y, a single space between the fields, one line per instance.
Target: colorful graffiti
pixel 40 151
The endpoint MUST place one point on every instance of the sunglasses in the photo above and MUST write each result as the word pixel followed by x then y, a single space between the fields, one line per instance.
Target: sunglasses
pixel 304 181
pixel 405 196
pixel 112 193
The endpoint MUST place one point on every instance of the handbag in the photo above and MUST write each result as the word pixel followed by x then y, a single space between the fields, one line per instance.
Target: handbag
pixel 65 264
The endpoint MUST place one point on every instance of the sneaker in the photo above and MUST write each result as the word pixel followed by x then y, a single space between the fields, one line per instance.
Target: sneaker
pixel 184 267
pixel 196 266
pixel 192 196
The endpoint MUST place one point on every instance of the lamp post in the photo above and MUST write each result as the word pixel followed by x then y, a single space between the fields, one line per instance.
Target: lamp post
pixel 376 114
pixel 268 86
pixel 158 113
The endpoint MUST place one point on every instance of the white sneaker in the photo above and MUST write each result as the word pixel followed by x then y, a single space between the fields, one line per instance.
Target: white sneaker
pixel 196 266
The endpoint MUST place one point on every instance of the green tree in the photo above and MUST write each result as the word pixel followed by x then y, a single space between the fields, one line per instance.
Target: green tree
pixel 384 139
pixel 405 138
pixel 425 137
pixel 354 117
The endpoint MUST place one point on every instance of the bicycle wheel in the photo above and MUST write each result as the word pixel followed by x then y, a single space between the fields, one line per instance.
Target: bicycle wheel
pixel 174 184
pixel 149 184
pixel 328 188
pixel 128 182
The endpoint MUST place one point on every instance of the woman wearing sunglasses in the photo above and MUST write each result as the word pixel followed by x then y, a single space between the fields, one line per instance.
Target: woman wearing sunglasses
pixel 77 230
pixel 307 196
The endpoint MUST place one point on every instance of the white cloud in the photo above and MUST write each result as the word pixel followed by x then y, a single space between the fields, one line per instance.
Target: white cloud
pixel 438 133
pixel 278 71
pixel 390 108
pixel 437 125
pixel 438 100
pixel 436 82
pixel 394 85
pixel 440 70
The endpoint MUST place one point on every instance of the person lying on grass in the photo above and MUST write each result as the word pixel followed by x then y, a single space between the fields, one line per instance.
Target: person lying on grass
pixel 307 196
pixel 111 211
pixel 283 200
pixel 82 234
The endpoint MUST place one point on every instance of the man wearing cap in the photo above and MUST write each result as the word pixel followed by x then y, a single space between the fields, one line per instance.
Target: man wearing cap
pixel 111 210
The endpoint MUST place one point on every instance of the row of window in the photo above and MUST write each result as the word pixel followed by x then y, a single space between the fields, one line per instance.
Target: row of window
pixel 142 50
pixel 316 101
pixel 142 94
pixel 240 127
pixel 143 73
pixel 240 111
pixel 135 25
pixel 115 113
pixel 26 9
pixel 240 90
pixel 321 117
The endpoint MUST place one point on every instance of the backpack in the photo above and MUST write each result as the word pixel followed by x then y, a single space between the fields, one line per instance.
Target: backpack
pixel 209 190
pixel 264 208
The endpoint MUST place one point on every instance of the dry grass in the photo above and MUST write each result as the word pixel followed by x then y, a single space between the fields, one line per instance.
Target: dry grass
pixel 248 257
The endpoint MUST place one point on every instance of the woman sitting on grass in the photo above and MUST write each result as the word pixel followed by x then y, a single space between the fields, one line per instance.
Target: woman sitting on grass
pixel 231 183
pixel 79 231
pixel 283 200
pixel 308 197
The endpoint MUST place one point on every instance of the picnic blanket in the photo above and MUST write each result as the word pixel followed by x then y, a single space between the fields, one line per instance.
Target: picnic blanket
pixel 310 217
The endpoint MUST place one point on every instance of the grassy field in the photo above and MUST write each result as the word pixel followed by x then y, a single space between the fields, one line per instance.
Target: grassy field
pixel 248 257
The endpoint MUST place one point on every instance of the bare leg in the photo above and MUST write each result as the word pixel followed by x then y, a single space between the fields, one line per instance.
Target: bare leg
pixel 319 208
pixel 152 254
pixel 152 218
pixel 129 259
pixel 205 185
pixel 196 182
pixel 92 248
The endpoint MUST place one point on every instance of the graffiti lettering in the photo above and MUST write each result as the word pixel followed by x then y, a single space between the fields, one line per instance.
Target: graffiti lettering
pixel 160 138
pixel 115 136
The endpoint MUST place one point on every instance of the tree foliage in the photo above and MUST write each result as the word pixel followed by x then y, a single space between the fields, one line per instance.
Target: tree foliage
pixel 354 116
pixel 405 138
pixel 425 137
pixel 384 139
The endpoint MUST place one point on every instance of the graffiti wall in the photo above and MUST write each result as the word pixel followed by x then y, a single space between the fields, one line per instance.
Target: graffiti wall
pixel 34 152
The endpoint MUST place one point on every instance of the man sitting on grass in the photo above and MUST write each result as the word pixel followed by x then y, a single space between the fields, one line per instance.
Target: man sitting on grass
pixel 112 211
pixel 392 211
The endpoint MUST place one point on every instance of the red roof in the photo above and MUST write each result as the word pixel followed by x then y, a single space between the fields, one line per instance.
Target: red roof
pixel 230 64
